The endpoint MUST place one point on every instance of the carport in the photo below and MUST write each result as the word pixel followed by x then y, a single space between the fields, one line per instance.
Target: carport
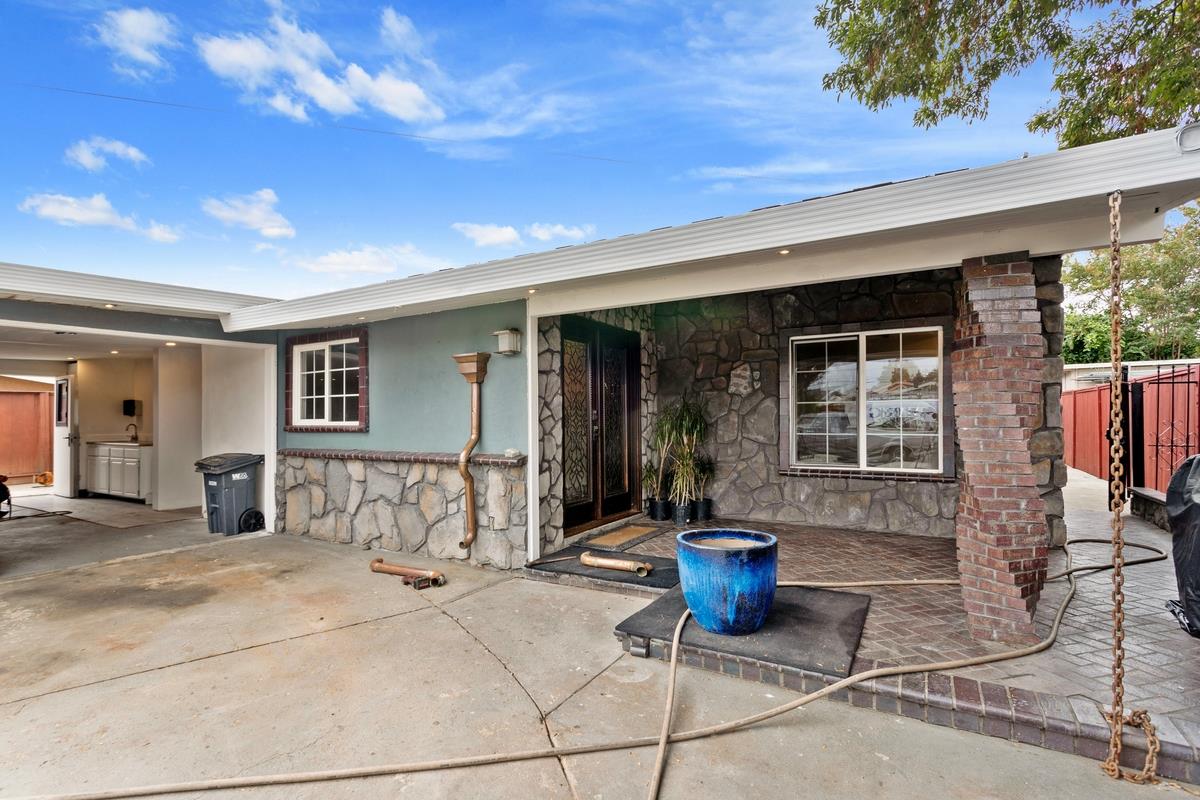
pixel 145 382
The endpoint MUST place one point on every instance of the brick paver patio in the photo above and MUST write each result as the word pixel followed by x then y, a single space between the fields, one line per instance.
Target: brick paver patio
pixel 908 625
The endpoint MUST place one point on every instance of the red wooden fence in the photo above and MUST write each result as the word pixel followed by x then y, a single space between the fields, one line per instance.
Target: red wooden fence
pixel 1165 422
pixel 26 424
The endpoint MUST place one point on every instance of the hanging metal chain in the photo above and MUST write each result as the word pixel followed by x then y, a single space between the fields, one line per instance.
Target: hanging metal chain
pixel 1117 718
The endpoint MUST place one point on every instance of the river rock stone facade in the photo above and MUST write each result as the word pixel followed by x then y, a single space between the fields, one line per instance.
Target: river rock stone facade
pixel 550 408
pixel 729 352
pixel 410 503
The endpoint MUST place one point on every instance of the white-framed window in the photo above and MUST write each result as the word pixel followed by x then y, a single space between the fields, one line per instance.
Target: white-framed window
pixel 325 383
pixel 867 401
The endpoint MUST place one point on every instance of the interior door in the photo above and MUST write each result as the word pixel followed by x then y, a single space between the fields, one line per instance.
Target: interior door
pixel 600 389
pixel 66 438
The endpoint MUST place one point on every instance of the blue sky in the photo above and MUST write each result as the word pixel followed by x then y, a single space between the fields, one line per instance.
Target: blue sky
pixel 525 126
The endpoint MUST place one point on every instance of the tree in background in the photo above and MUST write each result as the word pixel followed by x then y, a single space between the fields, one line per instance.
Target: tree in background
pixel 1161 291
pixel 1135 69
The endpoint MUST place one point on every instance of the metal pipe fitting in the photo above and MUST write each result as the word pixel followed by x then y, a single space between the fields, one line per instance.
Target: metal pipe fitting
pixel 639 568
pixel 432 575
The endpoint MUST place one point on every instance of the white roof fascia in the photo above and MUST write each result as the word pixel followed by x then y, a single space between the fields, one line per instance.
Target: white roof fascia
pixel 61 286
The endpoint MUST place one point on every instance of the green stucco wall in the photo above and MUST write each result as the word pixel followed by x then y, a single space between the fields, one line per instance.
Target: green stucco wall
pixel 418 399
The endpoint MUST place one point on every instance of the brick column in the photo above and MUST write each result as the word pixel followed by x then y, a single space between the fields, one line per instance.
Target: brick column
pixel 997 371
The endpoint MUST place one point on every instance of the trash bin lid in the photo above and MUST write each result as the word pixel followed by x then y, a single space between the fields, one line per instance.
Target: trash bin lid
pixel 227 462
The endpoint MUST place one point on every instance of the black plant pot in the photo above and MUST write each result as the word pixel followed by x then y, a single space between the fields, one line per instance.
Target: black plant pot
pixel 660 510
pixel 702 509
pixel 682 514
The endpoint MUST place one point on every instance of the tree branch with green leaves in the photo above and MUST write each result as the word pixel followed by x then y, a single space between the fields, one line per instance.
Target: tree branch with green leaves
pixel 1134 70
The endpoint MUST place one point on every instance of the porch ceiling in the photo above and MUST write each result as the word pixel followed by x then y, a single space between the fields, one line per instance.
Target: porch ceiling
pixel 1048 203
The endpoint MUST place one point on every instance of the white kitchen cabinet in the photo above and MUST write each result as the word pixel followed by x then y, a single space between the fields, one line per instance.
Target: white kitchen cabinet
pixel 120 470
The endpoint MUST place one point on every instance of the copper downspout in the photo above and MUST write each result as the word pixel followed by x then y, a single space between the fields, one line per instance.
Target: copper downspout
pixel 473 367
pixel 379 565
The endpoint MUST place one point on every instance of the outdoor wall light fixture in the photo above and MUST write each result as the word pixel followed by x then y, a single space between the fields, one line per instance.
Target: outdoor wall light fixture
pixel 508 341
pixel 1188 138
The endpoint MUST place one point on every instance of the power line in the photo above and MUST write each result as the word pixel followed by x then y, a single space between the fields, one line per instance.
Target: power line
pixel 354 128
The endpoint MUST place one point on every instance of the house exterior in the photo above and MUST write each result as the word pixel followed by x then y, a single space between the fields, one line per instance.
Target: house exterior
pixel 886 359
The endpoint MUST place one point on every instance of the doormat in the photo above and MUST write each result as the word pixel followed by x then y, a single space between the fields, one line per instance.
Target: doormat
pixel 566 562
pixel 614 539
pixel 813 629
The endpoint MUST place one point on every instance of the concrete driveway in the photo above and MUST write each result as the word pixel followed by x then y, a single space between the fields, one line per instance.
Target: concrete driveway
pixel 273 654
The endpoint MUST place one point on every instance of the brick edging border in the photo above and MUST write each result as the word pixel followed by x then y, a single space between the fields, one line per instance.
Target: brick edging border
pixel 406 456
pixel 1065 724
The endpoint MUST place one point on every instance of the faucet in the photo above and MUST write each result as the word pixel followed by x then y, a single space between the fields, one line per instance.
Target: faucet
pixel 133 425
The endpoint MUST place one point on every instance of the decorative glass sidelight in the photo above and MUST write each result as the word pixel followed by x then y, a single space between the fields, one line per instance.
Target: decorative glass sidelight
pixel 577 437
pixel 614 408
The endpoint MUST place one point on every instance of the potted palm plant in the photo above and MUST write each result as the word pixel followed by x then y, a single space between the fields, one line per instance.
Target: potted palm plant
pixel 703 472
pixel 688 427
pixel 655 476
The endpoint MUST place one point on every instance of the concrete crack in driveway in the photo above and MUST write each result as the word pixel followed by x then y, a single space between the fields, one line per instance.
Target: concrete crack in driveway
pixel 541 716
pixel 212 655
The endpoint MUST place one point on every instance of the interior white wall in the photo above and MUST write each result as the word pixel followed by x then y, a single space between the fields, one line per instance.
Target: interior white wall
pixel 177 444
pixel 101 385
pixel 238 410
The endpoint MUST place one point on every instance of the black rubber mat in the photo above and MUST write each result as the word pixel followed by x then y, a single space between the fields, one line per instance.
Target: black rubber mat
pixel 812 629
pixel 664 575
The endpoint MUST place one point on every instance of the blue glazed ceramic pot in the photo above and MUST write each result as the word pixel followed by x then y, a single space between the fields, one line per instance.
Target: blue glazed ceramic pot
pixel 728 578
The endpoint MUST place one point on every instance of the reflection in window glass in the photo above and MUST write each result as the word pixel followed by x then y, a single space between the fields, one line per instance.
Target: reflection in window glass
pixel 898 416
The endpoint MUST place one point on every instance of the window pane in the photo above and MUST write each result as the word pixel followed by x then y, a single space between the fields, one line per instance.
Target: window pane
pixel 883 416
pixel 811 418
pixel 920 452
pixel 808 356
pixel 843 449
pixel 921 365
pixel 319 408
pixel 883 378
pixel 319 384
pixel 352 381
pixel 310 386
pixel 350 352
pixel 336 382
pixel 811 449
pixel 306 411
pixel 335 409
pixel 884 451
pixel 351 409
pixel 336 356
pixel 306 361
pixel 920 416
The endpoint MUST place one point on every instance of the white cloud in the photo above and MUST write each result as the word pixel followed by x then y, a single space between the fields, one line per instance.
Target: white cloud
pixel 287 69
pixel 405 259
pixel 92 211
pixel 255 211
pixel 136 36
pixel 90 153
pixel 545 231
pixel 488 235
pixel 293 71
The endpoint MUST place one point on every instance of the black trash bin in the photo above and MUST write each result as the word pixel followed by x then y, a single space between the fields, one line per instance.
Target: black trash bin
pixel 230 489
pixel 1183 513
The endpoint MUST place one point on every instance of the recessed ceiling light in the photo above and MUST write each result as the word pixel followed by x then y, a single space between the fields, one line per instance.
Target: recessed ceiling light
pixel 109 305
pixel 115 352
pixel 361 318
pixel 533 291
pixel 65 333
pixel 784 252
pixel 169 344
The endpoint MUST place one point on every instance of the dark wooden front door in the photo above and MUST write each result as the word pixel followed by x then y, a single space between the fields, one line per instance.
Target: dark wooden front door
pixel 601 393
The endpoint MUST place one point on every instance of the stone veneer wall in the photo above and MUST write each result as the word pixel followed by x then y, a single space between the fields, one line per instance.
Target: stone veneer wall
pixel 407 502
pixel 1047 445
pixel 729 350
pixel 550 410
